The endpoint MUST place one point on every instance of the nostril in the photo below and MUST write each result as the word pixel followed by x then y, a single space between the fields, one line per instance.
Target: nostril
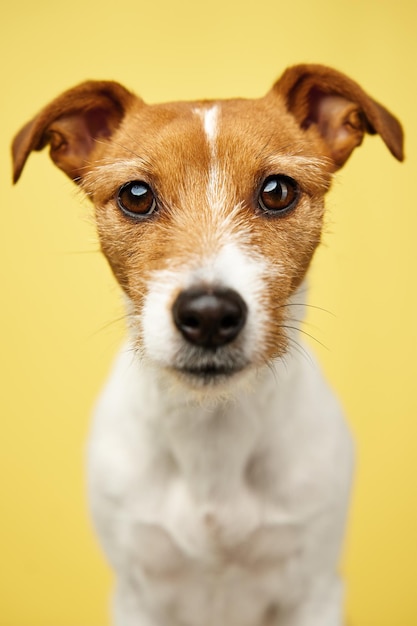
pixel 228 321
pixel 209 317
pixel 191 321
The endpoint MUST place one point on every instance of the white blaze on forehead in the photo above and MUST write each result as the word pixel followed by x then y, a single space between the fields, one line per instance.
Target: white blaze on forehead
pixel 216 187
pixel 210 120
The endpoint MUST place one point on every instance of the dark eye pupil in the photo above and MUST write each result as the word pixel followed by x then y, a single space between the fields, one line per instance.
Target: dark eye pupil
pixel 278 194
pixel 136 198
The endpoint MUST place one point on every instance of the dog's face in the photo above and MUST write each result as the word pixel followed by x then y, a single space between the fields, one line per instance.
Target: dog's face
pixel 209 212
pixel 209 223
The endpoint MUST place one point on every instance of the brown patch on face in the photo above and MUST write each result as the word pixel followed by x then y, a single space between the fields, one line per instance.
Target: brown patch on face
pixel 165 146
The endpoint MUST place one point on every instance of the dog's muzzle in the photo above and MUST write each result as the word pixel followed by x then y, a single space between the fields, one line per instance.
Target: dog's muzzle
pixel 210 321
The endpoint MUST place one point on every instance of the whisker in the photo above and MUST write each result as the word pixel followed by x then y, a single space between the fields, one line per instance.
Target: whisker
pixel 120 145
pixel 303 305
pixel 286 327
pixel 271 366
pixel 301 322
pixel 136 291
pixel 264 147
pixel 108 325
pixel 300 349
pixel 134 141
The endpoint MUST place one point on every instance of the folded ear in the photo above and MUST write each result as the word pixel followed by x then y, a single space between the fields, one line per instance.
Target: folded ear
pixel 71 124
pixel 328 102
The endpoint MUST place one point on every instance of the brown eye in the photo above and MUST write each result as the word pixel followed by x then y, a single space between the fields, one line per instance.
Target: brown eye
pixel 278 195
pixel 136 199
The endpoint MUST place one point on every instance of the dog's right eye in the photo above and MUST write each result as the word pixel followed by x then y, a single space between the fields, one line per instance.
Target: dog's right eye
pixel 136 199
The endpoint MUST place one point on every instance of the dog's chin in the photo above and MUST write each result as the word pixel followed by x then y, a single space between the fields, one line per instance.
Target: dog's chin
pixel 205 370
pixel 208 376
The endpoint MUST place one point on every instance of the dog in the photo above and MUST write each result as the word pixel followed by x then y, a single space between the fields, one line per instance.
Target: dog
pixel 220 463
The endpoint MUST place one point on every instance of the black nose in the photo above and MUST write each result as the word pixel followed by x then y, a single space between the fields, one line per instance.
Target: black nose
pixel 209 317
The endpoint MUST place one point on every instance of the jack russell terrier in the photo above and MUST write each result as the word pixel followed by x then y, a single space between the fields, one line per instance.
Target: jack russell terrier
pixel 219 462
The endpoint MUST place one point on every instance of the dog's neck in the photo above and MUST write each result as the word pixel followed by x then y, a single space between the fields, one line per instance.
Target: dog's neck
pixel 205 436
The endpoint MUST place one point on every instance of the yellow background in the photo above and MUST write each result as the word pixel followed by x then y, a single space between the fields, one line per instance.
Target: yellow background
pixel 60 309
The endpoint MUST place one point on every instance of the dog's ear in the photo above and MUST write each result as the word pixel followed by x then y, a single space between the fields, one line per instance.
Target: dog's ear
pixel 326 101
pixel 71 124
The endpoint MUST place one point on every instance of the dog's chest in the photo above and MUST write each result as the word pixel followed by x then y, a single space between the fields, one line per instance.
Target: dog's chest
pixel 237 526
pixel 208 518
pixel 203 535
pixel 230 559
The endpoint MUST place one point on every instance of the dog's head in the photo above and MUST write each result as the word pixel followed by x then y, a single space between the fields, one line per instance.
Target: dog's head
pixel 209 212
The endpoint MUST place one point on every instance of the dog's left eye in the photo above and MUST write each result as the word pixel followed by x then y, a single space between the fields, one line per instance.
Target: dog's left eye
pixel 136 199
pixel 279 194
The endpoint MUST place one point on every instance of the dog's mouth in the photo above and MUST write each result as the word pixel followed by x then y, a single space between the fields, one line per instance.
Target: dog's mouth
pixel 209 369
pixel 209 374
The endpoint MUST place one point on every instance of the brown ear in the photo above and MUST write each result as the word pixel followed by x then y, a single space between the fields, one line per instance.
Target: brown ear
pixel 71 124
pixel 323 99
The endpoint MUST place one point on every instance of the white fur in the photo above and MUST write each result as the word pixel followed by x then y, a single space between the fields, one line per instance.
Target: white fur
pixel 211 116
pixel 215 514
